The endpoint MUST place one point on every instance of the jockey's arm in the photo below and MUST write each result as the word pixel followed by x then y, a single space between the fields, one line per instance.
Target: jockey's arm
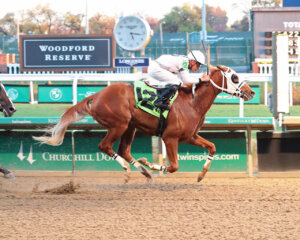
pixel 187 78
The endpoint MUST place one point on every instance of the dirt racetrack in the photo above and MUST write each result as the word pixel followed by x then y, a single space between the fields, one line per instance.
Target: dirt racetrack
pixel 170 208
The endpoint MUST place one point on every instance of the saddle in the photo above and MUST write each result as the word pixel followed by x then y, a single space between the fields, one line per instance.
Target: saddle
pixel 145 96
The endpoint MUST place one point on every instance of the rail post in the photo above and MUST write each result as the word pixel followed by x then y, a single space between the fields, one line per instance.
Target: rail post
pixel 75 82
pixel 249 150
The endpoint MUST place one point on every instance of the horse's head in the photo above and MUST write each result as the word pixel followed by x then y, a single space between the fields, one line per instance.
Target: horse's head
pixel 228 81
pixel 6 105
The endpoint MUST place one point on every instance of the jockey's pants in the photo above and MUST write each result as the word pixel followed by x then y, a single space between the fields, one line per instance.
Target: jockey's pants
pixel 162 75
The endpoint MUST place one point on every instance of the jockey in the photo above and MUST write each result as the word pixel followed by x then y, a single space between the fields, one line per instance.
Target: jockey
pixel 173 70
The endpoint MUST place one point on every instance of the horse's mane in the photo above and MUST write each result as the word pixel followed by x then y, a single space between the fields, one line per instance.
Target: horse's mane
pixel 188 87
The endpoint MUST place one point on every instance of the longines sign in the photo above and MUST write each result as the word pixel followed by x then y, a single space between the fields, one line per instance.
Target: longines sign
pixel 67 52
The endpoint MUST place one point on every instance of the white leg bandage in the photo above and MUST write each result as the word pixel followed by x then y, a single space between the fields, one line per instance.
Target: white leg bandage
pixel 135 163
pixel 120 160
pixel 208 161
pixel 158 167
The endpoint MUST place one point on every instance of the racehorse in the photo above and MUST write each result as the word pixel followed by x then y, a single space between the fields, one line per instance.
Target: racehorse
pixel 8 109
pixel 6 105
pixel 114 108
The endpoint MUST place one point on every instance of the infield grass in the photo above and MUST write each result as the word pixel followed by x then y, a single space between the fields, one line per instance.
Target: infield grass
pixel 217 110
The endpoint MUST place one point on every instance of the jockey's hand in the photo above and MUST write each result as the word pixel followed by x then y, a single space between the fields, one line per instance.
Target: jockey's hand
pixel 204 78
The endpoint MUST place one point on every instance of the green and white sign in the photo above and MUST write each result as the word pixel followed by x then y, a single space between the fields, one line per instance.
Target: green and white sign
pixel 18 151
pixel 227 98
pixel 64 93
pixel 231 153
pixel 55 93
pixel 18 93
pixel 84 91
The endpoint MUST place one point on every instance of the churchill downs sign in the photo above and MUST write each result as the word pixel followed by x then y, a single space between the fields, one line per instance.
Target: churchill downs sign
pixel 66 52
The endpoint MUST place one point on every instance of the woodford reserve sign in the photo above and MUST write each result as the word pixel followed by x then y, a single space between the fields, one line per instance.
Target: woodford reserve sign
pixel 67 52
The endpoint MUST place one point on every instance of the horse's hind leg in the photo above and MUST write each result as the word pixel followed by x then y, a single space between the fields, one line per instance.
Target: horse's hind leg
pixel 124 151
pixel 107 143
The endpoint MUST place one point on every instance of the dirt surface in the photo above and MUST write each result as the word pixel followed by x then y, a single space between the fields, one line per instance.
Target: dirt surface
pixel 170 208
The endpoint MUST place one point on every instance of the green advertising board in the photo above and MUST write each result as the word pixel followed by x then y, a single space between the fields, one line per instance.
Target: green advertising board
pixel 228 99
pixel 18 93
pixel 18 151
pixel 55 94
pixel 64 93
pixel 84 91
pixel 231 153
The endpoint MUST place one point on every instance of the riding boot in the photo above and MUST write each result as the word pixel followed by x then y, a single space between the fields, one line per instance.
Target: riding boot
pixel 165 96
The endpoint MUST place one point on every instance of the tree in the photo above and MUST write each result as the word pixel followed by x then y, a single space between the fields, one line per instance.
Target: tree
pixel 242 25
pixel 72 23
pixel 154 23
pixel 101 24
pixel 184 19
pixel 42 17
pixel 189 19
pixel 8 25
pixel 216 18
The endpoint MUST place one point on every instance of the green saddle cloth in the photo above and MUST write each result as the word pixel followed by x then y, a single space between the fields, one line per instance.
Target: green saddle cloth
pixel 145 97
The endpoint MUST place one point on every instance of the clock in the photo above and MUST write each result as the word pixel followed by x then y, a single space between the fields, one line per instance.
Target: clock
pixel 132 33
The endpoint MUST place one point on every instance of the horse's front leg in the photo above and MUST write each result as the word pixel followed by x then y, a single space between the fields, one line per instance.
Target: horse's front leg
pixel 199 141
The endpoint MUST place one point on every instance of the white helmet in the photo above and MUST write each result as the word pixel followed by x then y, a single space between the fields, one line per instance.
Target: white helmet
pixel 197 56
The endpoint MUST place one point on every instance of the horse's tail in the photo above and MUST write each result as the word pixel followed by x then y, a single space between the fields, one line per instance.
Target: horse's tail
pixel 55 135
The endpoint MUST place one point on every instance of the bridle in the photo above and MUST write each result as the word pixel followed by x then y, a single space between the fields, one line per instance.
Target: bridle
pixel 233 88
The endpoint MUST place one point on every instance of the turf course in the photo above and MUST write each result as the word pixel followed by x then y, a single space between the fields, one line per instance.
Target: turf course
pixel 217 110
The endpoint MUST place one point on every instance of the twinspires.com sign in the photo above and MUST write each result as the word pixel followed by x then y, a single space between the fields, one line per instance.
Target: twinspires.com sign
pixel 67 52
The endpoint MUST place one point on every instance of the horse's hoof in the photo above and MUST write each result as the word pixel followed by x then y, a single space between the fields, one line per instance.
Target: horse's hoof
pixel 10 176
pixel 145 172
pixel 199 178
pixel 127 166
pixel 143 161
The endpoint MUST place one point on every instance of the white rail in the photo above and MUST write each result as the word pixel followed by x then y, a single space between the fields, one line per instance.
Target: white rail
pixel 122 77
pixel 266 68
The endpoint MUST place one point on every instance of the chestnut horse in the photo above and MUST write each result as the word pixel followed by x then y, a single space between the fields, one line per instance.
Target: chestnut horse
pixel 8 109
pixel 6 105
pixel 114 108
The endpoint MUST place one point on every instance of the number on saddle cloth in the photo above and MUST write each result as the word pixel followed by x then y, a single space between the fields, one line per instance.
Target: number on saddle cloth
pixel 145 97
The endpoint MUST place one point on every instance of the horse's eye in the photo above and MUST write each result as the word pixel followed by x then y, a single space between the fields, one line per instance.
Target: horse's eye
pixel 234 78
